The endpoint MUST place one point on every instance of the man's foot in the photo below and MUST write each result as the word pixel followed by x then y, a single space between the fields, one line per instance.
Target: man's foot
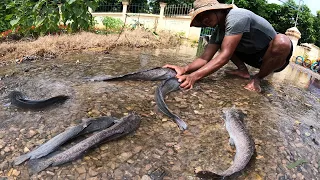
pixel 241 73
pixel 254 85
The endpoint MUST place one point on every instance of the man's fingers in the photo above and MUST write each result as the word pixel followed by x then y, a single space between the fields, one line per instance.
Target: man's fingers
pixel 181 78
pixel 169 66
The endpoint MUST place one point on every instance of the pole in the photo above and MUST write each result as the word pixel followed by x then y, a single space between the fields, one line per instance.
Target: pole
pixel 295 24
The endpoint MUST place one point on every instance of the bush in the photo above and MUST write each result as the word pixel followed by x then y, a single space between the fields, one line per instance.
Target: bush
pixel 113 25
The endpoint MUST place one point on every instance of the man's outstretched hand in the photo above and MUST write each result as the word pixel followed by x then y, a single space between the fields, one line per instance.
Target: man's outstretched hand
pixel 187 81
pixel 180 70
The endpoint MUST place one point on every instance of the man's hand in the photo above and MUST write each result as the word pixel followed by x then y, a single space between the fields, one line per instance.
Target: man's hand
pixel 187 81
pixel 180 70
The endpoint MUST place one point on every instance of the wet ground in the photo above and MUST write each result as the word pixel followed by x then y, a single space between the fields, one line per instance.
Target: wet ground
pixel 283 120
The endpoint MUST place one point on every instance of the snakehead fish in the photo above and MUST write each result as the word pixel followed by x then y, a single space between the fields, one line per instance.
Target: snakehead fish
pixel 125 126
pixel 154 74
pixel 19 100
pixel 162 90
pixel 240 138
pixel 89 126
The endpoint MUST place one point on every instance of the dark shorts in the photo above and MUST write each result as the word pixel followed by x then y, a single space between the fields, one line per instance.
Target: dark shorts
pixel 255 60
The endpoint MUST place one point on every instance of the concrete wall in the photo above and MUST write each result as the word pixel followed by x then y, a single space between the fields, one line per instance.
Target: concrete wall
pixel 311 50
pixel 179 24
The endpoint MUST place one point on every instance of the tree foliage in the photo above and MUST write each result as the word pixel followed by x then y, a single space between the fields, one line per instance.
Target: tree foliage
pixel 37 17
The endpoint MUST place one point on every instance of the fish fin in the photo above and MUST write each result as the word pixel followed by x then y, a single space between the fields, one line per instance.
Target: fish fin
pixel 208 175
pixel 38 165
pixel 21 159
pixel 182 125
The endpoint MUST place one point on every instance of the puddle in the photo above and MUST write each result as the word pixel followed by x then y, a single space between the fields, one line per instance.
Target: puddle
pixel 283 120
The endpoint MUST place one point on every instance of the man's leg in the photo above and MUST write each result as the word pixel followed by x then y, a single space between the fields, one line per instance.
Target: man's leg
pixel 242 70
pixel 274 58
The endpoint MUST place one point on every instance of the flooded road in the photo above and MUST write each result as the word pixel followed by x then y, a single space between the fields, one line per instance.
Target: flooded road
pixel 283 120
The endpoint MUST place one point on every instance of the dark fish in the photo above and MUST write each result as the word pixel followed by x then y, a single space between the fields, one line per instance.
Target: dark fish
pixel 162 90
pixel 125 126
pixel 19 100
pixel 153 74
pixel 240 138
pixel 89 126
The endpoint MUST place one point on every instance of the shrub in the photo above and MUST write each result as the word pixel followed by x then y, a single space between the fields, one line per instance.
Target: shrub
pixel 113 25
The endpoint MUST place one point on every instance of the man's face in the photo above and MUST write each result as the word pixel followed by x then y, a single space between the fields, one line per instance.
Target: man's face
pixel 209 19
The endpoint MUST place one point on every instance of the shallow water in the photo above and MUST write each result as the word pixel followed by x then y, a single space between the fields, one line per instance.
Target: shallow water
pixel 283 120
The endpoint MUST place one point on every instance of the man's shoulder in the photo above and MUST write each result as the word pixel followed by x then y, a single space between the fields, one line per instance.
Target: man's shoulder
pixel 239 11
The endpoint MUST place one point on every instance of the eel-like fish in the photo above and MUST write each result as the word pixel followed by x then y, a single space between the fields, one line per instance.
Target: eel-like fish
pixel 162 90
pixel 19 100
pixel 240 138
pixel 89 126
pixel 125 126
pixel 154 74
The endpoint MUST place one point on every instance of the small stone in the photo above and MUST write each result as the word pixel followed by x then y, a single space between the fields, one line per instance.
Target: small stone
pixel 156 156
pixel 145 177
pixel 4 165
pixel 164 120
pixel 197 169
pixel 176 168
pixel 92 173
pixel 259 157
pixel 148 167
pixel 299 145
pixel 118 174
pixel 284 161
pixel 26 149
pixel 281 148
pixel 299 176
pixel 137 149
pixel 31 133
pixel 125 156
pixel 298 132
pixel 130 161
pixel 170 144
pixel 2 143
pixel 15 172
pixel 81 170
pixel 6 149
pixel 50 173
pixel 294 176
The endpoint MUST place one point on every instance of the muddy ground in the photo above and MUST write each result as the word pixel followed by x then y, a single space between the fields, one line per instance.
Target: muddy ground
pixel 283 120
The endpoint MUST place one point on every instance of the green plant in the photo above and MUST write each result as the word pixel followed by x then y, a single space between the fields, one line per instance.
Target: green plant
pixel 30 17
pixel 113 25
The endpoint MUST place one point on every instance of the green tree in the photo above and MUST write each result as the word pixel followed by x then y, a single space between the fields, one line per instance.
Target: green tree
pixel 316 26
pixel 38 17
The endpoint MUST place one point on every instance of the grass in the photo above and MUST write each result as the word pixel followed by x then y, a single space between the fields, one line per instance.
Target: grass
pixel 59 45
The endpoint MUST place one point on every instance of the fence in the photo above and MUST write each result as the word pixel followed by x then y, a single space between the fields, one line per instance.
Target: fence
pixel 177 10
pixel 107 7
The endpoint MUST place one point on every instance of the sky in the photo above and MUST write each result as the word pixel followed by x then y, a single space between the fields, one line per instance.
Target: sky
pixel 312 4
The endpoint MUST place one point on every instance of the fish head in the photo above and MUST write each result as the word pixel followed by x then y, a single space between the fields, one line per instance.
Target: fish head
pixel 232 114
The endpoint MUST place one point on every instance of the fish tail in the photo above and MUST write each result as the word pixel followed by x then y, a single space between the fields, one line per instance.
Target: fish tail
pixel 58 99
pixel 182 125
pixel 208 175
pixel 38 165
pixel 21 159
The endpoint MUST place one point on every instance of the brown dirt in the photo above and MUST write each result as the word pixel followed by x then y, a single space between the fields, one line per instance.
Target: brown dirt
pixel 56 45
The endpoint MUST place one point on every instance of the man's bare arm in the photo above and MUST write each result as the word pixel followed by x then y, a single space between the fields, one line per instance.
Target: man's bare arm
pixel 229 44
pixel 206 56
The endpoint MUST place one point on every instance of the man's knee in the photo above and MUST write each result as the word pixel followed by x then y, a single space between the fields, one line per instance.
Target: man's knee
pixel 281 45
